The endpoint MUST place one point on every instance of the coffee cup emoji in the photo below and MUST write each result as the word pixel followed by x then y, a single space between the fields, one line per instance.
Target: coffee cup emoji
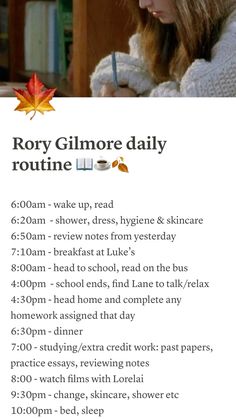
pixel 102 164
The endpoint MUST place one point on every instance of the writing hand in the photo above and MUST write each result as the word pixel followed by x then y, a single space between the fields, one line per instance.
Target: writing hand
pixel 108 90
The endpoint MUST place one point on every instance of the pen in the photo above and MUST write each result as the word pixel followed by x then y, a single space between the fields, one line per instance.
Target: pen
pixel 114 70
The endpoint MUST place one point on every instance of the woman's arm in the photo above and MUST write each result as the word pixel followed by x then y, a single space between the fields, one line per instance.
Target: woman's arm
pixel 131 72
pixel 203 79
pixel 215 78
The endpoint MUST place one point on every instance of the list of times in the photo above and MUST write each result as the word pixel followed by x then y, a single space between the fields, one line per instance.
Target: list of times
pixel 97 294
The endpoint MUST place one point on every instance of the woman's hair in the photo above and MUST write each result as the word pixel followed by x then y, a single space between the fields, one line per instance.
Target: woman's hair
pixel 169 49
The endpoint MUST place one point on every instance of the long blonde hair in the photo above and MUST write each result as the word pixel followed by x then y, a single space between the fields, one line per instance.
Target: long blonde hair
pixel 169 49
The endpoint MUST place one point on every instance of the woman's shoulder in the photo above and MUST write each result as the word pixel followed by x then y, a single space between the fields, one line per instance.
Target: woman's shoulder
pixel 231 19
pixel 218 76
pixel 229 28
pixel 225 47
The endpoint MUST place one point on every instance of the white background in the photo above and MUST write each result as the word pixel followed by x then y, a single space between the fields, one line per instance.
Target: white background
pixel 194 177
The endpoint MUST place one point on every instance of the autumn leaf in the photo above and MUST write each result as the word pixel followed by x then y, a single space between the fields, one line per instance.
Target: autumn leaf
pixel 119 163
pixel 35 98
pixel 114 164
pixel 123 168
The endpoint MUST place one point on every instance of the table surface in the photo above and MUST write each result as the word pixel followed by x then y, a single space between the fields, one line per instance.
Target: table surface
pixel 6 89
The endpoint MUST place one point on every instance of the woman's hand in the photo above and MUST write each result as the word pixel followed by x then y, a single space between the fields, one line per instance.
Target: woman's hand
pixel 108 90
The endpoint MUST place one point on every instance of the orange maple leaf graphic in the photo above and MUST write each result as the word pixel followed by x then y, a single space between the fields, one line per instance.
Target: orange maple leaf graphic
pixel 35 98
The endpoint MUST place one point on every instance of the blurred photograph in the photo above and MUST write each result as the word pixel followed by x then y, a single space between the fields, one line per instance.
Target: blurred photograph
pixel 120 48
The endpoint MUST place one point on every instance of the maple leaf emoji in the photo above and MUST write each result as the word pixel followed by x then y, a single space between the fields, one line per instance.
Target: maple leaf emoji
pixel 35 98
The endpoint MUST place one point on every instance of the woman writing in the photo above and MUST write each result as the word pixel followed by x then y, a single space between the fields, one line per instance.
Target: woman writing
pixel 184 48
